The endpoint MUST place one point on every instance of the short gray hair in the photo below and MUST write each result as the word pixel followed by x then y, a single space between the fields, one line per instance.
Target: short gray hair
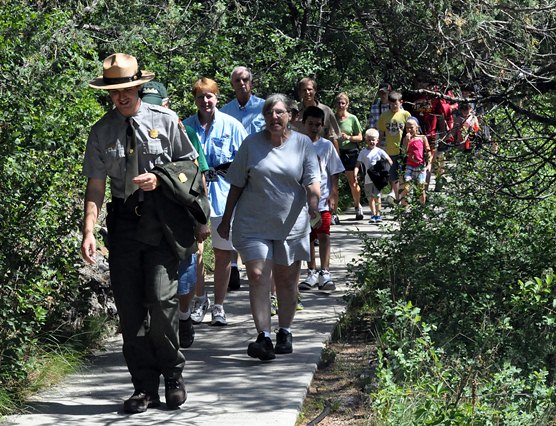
pixel 273 100
pixel 241 68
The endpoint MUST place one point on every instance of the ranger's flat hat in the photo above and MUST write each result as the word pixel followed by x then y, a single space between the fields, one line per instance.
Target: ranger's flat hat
pixel 119 72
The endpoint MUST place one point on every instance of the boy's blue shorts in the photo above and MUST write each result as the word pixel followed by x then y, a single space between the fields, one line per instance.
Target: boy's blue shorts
pixel 187 275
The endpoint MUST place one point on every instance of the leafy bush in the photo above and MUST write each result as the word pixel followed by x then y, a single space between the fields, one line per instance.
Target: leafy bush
pixel 485 353
pixel 417 383
pixel 44 117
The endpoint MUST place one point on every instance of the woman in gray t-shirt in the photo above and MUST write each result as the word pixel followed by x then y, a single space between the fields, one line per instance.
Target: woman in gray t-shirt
pixel 275 188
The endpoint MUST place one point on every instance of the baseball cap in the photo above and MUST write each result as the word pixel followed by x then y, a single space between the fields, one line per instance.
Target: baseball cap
pixel 153 92
pixel 384 87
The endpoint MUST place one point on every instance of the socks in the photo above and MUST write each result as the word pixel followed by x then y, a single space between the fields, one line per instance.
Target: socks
pixel 267 333
pixel 184 315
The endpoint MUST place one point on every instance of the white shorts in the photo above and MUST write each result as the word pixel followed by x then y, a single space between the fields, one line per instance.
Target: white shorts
pixel 217 241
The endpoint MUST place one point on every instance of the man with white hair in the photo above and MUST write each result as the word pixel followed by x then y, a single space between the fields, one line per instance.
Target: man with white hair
pixel 246 108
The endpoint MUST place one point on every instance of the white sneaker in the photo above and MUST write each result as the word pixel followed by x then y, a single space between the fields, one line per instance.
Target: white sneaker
pixel 311 281
pixel 218 315
pixel 389 199
pixel 200 308
pixel 325 281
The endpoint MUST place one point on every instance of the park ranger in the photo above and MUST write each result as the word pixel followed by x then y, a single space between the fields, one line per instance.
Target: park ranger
pixel 131 144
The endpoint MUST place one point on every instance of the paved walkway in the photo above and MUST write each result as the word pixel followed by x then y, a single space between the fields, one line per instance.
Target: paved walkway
pixel 225 386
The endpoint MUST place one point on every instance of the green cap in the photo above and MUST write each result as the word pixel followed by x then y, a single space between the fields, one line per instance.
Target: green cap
pixel 153 92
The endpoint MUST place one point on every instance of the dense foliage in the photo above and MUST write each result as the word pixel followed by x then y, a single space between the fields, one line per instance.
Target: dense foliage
pixel 44 118
pixel 505 49
pixel 464 295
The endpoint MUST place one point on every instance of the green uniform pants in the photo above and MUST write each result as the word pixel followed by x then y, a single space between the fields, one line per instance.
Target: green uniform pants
pixel 144 283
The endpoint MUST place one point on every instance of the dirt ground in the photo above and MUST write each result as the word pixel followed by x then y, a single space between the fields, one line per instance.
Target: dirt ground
pixel 339 393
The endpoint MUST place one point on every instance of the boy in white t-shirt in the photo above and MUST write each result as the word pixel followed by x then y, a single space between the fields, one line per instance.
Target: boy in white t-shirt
pixel 369 157
pixel 330 166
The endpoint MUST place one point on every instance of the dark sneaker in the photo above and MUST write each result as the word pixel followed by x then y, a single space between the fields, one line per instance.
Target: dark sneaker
pixel 283 342
pixel 262 348
pixel 140 401
pixel 335 219
pixel 175 392
pixel 186 333
pixel 359 213
pixel 235 281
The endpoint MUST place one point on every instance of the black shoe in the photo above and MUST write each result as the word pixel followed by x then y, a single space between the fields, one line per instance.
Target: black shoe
pixel 283 342
pixel 186 333
pixel 140 401
pixel 175 392
pixel 235 282
pixel 262 348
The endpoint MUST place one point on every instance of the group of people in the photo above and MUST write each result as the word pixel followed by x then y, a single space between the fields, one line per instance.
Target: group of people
pixel 259 176
pixel 409 137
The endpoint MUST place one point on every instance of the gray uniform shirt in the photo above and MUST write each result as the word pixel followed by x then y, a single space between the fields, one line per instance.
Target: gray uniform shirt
pixel 159 141
pixel 273 204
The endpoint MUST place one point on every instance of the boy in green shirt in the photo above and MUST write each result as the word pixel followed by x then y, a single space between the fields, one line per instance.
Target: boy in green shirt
pixel 391 125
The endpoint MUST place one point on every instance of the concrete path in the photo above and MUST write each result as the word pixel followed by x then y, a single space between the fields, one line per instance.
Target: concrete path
pixel 225 386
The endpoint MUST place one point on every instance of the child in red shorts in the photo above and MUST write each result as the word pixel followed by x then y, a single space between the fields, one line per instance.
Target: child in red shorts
pixel 331 166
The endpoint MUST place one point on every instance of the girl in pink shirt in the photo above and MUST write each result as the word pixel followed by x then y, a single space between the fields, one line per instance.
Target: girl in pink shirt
pixel 418 160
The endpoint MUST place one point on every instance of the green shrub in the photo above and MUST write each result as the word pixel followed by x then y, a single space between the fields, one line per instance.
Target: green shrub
pixel 45 113
pixel 418 383
pixel 465 335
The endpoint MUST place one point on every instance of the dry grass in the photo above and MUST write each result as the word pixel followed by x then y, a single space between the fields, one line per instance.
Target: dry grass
pixel 339 393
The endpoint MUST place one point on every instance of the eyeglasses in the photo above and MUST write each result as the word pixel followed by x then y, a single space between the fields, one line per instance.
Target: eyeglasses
pixel 278 112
